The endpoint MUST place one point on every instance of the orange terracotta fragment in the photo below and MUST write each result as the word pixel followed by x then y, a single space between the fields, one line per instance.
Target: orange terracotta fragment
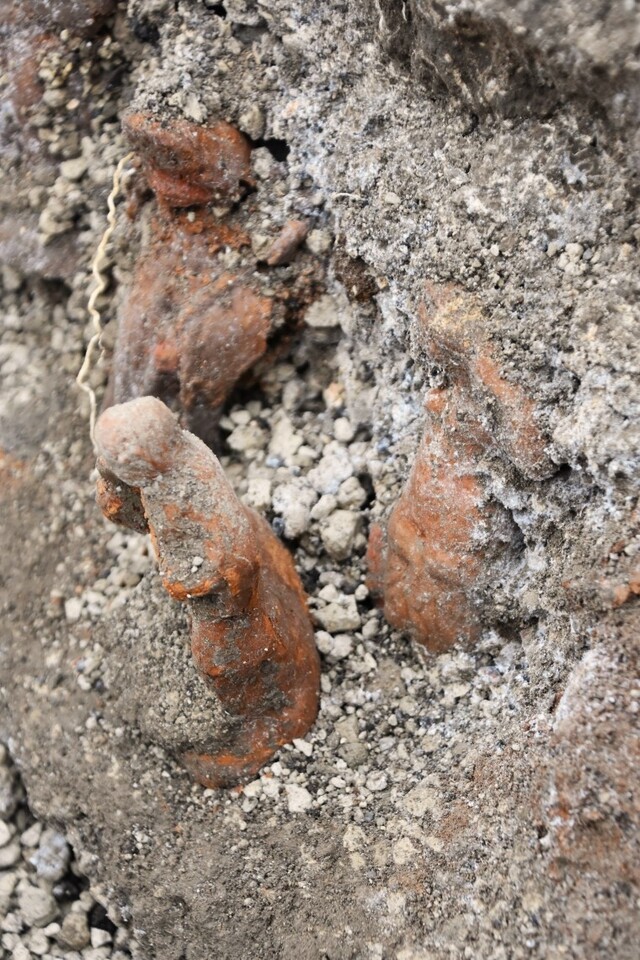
pixel 23 58
pixel 441 539
pixel 251 636
pixel 286 243
pixel 119 503
pixel 187 164
pixel 188 330
pixel 445 540
pixel 454 334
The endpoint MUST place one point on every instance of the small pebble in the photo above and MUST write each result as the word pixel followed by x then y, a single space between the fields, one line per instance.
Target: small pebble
pixel 74 169
pixel 298 798
pixel 52 857
pixel 338 617
pixel 319 241
pixel 10 855
pixel 31 836
pixel 324 313
pixel 37 906
pixel 5 833
pixel 74 932
pixel 338 533
pixel 376 781
pixel 343 430
pixel 99 938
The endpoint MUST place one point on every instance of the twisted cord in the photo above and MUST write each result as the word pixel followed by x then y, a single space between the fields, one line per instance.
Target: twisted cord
pixel 100 279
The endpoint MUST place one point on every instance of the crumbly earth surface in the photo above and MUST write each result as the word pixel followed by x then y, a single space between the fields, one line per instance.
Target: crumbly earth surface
pixel 480 803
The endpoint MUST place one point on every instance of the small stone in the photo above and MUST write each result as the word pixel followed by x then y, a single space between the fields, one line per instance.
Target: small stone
pixel 31 836
pixel 342 646
pixel 304 747
pixel 285 442
pixel 12 923
pixel 270 787
pixel 376 781
pixel 323 313
pixel 96 953
pixel 247 438
pixel 74 932
pixel 293 502
pixel 11 279
pixel 253 789
pixel 324 507
pixel 8 793
pixel 351 749
pixel 338 617
pixel 193 108
pixel 285 245
pixel 333 468
pixel 7 886
pixel 73 609
pixel 371 628
pixel 37 906
pixel 454 692
pixel 38 943
pixel 20 952
pixel 5 833
pixel 351 493
pixel 409 706
pixel 337 648
pixel 430 743
pixel 10 855
pixel 338 533
pixel 343 430
pixel 50 226
pixel 298 798
pixel 99 938
pixel 319 241
pixel 251 122
pixel 333 395
pixel 574 251
pixel 258 495
pixel 74 169
pixel 52 857
pixel 324 642
pixel 262 163
pixel 187 164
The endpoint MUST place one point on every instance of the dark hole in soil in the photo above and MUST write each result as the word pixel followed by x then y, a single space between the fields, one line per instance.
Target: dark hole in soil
pixel 279 149
pixel 145 31
pixel 98 918
pixel 218 8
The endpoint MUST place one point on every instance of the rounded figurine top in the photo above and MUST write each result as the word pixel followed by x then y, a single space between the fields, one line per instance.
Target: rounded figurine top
pixel 138 440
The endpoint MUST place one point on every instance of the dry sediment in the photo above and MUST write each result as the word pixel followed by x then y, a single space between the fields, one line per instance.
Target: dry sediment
pixel 482 802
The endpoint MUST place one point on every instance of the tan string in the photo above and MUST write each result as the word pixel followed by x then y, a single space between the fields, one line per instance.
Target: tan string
pixel 98 275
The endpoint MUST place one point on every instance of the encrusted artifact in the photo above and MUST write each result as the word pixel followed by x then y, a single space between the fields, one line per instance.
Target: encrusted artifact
pixel 251 636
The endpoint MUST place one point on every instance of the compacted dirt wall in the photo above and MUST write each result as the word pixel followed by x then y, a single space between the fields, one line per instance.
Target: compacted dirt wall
pixel 425 377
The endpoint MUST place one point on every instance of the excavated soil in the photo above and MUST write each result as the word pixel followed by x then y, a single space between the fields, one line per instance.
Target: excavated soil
pixel 478 803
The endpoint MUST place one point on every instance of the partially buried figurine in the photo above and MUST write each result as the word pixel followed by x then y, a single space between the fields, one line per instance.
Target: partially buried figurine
pixel 251 636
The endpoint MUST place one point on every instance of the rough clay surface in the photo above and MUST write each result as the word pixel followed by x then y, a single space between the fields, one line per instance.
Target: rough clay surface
pixel 479 803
